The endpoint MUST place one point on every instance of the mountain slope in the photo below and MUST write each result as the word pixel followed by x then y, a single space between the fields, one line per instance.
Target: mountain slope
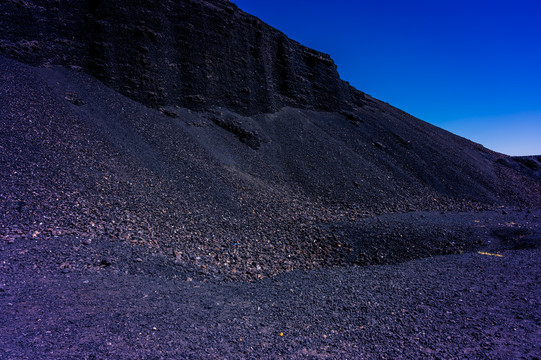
pixel 233 195
pixel 281 178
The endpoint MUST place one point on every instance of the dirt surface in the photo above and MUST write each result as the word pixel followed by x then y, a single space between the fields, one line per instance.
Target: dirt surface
pixel 76 298
pixel 469 306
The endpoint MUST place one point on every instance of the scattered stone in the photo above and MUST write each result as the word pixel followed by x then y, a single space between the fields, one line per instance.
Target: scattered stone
pixel 74 99
pixel 379 145
pixel 105 262
pixel 204 192
pixel 169 113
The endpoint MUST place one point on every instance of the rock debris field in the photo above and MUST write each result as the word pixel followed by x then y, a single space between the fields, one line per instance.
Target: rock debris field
pixel 148 213
pixel 88 272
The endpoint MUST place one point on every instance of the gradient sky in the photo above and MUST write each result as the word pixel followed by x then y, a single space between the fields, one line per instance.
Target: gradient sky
pixel 470 67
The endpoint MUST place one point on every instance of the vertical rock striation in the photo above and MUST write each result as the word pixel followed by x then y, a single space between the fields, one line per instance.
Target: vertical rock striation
pixel 190 53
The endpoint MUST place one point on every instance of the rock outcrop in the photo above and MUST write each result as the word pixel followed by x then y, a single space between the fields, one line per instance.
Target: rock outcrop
pixel 188 53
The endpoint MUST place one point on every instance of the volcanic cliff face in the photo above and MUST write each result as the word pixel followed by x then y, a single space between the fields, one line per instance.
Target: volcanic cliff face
pixel 258 160
pixel 190 53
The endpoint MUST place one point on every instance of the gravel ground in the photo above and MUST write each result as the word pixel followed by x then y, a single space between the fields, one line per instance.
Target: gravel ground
pixel 129 233
pixel 73 298
pixel 469 306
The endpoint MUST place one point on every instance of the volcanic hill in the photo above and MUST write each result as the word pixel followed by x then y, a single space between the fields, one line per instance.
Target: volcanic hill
pixel 179 180
pixel 192 130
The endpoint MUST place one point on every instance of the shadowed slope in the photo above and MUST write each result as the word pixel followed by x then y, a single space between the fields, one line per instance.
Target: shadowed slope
pixel 233 149
pixel 150 154
pixel 230 194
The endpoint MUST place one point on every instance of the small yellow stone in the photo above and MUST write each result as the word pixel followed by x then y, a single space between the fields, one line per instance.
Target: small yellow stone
pixel 489 254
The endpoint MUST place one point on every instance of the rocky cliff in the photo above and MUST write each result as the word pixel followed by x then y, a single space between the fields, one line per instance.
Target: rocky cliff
pixel 188 53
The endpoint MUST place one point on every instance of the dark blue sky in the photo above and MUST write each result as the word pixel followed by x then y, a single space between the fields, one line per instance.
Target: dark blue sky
pixel 471 67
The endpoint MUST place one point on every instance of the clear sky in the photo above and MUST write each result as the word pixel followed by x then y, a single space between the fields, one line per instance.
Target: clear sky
pixel 470 67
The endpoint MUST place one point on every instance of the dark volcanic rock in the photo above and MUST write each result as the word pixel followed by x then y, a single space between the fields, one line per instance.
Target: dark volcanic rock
pixel 233 195
pixel 119 223
pixel 190 53
pixel 529 165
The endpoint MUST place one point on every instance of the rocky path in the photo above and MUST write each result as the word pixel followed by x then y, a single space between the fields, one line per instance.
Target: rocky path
pixel 469 306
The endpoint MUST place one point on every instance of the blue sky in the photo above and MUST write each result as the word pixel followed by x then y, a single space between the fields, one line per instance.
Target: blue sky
pixel 470 67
